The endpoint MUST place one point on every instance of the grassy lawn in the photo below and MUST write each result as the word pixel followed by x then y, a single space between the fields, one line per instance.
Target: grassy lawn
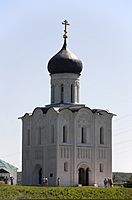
pixel 27 192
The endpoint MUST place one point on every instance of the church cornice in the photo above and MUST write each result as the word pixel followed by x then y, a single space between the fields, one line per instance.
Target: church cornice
pixel 72 108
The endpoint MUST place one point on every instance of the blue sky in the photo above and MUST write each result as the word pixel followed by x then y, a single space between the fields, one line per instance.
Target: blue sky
pixel 100 34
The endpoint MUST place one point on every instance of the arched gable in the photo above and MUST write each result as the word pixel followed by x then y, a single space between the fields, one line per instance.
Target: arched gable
pixel 65 116
pixel 103 114
pixel 51 112
pixel 86 110
pixel 84 116
pixel 51 115
pixel 37 117
pixel 25 117
pixel 37 112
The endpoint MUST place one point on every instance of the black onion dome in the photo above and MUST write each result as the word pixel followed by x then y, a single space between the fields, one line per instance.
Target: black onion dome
pixel 64 62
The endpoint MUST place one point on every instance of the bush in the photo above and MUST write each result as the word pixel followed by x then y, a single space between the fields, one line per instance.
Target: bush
pixel 32 192
pixel 128 182
pixel 128 185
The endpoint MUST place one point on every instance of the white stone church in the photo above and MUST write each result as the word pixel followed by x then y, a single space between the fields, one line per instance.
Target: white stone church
pixel 66 139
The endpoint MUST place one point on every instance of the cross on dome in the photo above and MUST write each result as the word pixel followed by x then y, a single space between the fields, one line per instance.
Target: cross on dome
pixel 65 23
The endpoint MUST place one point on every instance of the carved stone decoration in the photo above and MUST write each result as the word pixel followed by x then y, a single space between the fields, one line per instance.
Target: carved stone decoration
pixel 66 139
pixel 83 153
pixel 65 152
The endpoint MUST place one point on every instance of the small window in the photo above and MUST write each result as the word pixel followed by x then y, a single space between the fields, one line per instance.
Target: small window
pixel 101 135
pixel 28 137
pixel 52 134
pixel 66 166
pixel 64 134
pixel 72 93
pixel 83 135
pixel 62 93
pixel 39 135
pixel 101 167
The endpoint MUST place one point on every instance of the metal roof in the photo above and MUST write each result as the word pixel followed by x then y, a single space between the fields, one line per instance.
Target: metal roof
pixel 5 165
pixel 65 62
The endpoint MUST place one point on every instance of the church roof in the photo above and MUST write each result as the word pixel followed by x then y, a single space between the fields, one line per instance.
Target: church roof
pixel 5 165
pixel 72 108
pixel 65 61
pixel 44 109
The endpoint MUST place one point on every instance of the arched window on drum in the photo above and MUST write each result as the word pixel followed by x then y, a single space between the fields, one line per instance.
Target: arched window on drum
pixel 62 93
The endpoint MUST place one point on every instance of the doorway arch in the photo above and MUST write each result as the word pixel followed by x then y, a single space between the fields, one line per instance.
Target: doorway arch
pixel 40 176
pixel 37 175
pixel 83 175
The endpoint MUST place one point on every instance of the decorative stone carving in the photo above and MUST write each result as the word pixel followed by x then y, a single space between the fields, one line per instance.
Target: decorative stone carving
pixel 83 153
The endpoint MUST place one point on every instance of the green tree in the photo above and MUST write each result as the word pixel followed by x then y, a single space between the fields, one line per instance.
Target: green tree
pixel 130 179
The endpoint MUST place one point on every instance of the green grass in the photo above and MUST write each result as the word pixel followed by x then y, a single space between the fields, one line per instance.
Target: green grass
pixel 27 192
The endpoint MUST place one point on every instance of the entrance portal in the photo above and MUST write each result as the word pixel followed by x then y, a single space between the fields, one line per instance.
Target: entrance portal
pixel 83 176
pixel 37 175
pixel 40 176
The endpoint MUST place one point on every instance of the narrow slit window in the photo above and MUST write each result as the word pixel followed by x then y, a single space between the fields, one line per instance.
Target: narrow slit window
pixel 64 134
pixel 83 135
pixel 72 93
pixel 39 135
pixel 101 135
pixel 66 166
pixel 101 167
pixel 62 93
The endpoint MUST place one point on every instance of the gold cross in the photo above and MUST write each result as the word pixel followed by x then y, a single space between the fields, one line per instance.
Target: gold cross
pixel 65 23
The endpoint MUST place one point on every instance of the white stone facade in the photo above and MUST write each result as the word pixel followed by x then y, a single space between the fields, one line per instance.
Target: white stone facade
pixel 53 151
pixel 70 84
pixel 66 139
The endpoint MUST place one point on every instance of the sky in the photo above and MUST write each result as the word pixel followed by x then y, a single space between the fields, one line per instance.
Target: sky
pixel 100 34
